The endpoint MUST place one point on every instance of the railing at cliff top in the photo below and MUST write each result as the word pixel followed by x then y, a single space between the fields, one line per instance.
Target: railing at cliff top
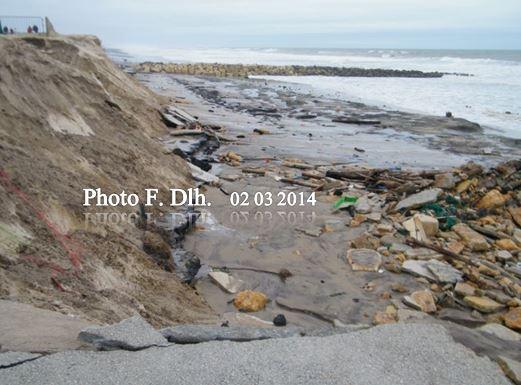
pixel 21 24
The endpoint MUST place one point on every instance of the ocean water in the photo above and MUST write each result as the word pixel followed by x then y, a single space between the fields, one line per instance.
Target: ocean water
pixel 491 96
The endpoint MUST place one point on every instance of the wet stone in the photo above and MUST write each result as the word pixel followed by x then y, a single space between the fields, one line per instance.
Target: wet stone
pixel 483 304
pixel 474 240
pixel 443 272
pixel 421 300
pixel 226 281
pixel 464 289
pixel 460 317
pixel 501 331
pixel 419 199
pixel 364 259
pixel 511 368
pixel 418 269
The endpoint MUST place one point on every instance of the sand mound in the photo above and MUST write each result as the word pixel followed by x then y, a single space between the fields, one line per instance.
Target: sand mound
pixel 72 120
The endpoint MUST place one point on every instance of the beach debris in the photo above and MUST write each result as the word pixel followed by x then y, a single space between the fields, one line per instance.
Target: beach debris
pixel 177 118
pixel 193 334
pixel 512 318
pixel 333 225
pixel 130 334
pixel 446 181
pixel 364 259
pixel 492 199
pixel 261 131
pixel 299 165
pixel 419 199
pixel 226 281
pixel 511 368
pixel 352 120
pixel 419 269
pixel 500 331
pixel 250 301
pixel 483 304
pixel 186 132
pixel 461 317
pixel 474 240
pixel 385 317
pixel 258 171
pixel 443 272
pixel 231 158
pixel 344 202
pixel 201 175
pixel 280 320
pixel 421 300
pixel 464 289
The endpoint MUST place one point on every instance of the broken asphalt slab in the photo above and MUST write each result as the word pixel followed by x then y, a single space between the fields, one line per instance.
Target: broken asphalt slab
pixel 131 334
pixel 384 355
pixel 10 359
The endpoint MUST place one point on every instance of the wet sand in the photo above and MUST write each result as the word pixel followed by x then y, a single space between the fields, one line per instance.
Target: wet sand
pixel 323 287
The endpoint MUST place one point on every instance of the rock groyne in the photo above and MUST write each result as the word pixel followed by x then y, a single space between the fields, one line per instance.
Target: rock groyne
pixel 245 70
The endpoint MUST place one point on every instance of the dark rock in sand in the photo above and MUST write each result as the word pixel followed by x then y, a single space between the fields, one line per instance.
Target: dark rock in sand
pixel 279 320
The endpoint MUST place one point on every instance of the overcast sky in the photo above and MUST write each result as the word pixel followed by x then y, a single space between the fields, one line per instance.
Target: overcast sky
pixel 285 23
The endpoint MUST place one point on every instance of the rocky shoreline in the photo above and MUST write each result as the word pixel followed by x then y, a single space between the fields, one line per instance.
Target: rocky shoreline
pixel 244 70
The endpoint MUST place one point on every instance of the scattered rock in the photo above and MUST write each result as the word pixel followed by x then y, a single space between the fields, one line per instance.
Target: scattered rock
pixel 399 288
pixel 460 317
pixel 261 131
pixel 250 301
pixel 131 334
pixel 474 240
pixel 193 334
pixel 365 241
pixel 419 199
pixel 10 359
pixel 226 281
pixel 382 317
pixel 511 368
pixel 483 304
pixel 503 256
pixel 456 247
pixel 501 332
pixel 513 318
pixel 492 199
pixel 421 300
pixel 334 225
pixel 446 181
pixel 430 224
pixel 363 206
pixel 364 259
pixel 464 289
pixel 443 272
pixel 405 315
pixel 312 231
pixel 516 214
pixel 506 244
pixel 418 269
pixel 279 320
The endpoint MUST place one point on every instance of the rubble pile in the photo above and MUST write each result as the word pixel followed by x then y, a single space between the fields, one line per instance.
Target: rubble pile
pixel 457 231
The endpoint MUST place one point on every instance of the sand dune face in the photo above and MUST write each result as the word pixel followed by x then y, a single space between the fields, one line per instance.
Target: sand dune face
pixel 70 119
